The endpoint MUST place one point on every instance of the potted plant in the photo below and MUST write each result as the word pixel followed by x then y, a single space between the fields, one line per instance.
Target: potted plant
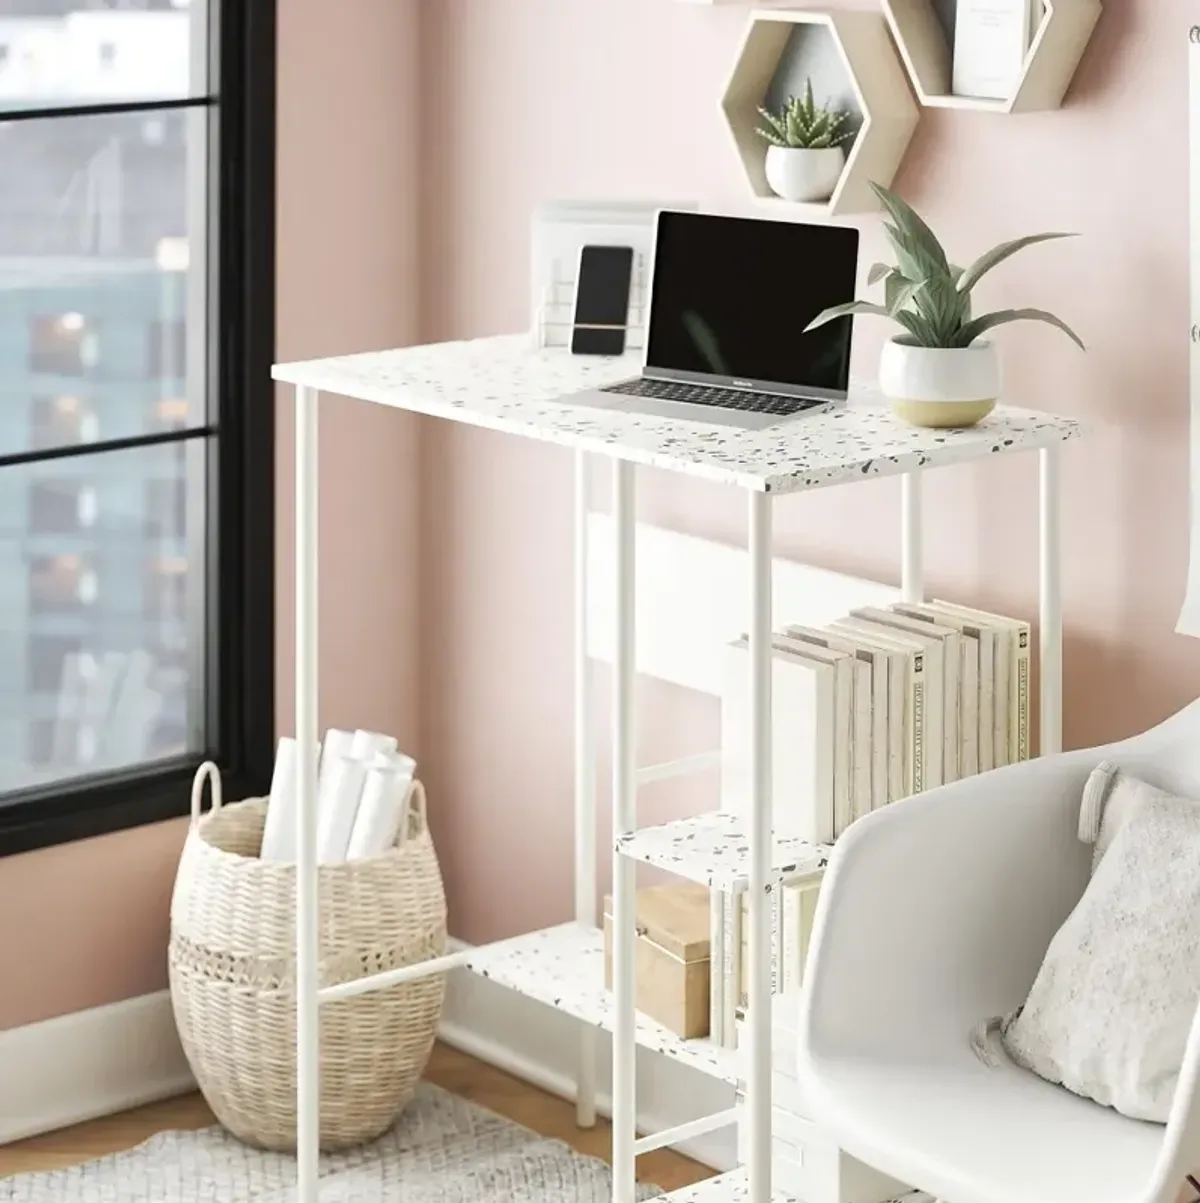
pixel 805 154
pixel 939 371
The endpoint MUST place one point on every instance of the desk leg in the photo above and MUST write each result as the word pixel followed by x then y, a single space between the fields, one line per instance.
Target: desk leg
pixel 912 539
pixel 624 819
pixel 585 786
pixel 759 1002
pixel 1050 608
pixel 307 1008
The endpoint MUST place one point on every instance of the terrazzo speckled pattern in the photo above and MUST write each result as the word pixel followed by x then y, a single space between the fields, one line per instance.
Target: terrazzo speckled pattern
pixel 734 1187
pixel 713 849
pixel 564 967
pixel 508 384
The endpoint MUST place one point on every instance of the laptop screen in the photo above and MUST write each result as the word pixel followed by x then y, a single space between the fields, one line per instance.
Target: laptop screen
pixel 731 297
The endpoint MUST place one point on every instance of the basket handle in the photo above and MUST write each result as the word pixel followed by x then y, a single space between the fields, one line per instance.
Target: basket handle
pixel 207 771
pixel 415 807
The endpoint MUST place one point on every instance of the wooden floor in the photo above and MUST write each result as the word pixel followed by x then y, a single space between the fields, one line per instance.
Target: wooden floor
pixel 456 1072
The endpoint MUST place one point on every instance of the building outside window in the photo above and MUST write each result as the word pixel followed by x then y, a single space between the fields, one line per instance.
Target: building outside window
pixel 135 407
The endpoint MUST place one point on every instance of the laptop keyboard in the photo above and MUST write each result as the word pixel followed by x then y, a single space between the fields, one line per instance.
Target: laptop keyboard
pixel 721 398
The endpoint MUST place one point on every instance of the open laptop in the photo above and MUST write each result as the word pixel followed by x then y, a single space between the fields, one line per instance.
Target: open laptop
pixel 729 300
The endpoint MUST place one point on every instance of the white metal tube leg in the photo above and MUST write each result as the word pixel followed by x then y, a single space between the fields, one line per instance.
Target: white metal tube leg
pixel 912 539
pixel 307 1006
pixel 585 786
pixel 624 818
pixel 1050 615
pixel 759 1003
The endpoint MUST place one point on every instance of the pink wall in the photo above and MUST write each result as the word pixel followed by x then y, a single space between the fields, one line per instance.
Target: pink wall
pixel 93 915
pixel 517 104
pixel 522 102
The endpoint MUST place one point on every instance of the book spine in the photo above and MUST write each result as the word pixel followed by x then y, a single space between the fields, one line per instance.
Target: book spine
pixel 987 700
pixel 1003 695
pixel 915 712
pixel 899 752
pixel 843 701
pixel 951 712
pixel 732 984
pixel 791 941
pixel 716 966
pixel 1019 694
pixel 968 692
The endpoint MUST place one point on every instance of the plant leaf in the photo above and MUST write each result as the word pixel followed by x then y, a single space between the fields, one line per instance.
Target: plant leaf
pixel 879 271
pixel 917 327
pixel 972 330
pixel 845 310
pixel 914 261
pixel 910 221
pixel 998 254
pixel 898 293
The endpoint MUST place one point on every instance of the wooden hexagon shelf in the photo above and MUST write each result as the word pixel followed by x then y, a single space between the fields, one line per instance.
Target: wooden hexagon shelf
pixel 853 56
pixel 1050 64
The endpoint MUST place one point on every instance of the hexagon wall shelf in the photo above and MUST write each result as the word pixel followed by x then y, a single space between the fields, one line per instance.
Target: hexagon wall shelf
pixel 1053 55
pixel 853 47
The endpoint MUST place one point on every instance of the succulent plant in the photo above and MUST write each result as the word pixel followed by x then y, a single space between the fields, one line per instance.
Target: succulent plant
pixel 803 124
pixel 927 294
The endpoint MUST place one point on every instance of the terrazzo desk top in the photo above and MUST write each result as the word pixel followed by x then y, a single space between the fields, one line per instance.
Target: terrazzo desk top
pixel 510 385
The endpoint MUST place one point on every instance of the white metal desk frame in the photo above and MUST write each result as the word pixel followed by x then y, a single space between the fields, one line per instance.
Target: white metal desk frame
pixel 625 778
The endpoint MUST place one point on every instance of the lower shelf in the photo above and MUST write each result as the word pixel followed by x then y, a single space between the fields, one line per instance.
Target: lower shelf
pixel 563 967
pixel 733 1187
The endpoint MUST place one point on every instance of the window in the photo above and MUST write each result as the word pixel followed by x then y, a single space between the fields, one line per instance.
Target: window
pixel 136 411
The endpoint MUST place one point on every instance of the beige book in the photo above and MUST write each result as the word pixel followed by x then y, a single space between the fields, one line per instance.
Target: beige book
pixel 986 638
pixel 803 710
pixel 906 698
pixel 843 700
pixel 853 685
pixel 968 680
pixel 870 715
pixel 1016 637
pixel 923 700
pixel 947 661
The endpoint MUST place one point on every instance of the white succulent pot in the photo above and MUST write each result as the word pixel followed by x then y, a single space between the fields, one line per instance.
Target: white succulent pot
pixel 940 386
pixel 799 174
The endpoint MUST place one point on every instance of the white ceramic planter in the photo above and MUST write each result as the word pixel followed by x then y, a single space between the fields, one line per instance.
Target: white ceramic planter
pixel 798 174
pixel 936 386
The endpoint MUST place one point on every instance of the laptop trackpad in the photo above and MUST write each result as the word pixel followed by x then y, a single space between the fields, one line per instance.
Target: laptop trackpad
pixel 686 411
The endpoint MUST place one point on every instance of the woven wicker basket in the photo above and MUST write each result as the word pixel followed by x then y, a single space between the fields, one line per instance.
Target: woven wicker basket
pixel 232 973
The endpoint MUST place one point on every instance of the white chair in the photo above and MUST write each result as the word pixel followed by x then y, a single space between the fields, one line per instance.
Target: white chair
pixel 935 914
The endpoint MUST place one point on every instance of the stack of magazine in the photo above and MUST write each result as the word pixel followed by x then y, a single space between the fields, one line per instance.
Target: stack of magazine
pixel 878 705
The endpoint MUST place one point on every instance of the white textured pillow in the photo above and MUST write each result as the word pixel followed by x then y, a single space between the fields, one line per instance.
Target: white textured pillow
pixel 1109 1013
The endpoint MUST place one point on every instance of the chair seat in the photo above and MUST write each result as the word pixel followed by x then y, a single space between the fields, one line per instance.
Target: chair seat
pixel 967 1133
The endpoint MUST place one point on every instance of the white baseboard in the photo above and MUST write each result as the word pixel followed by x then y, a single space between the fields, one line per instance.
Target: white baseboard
pixel 76 1067
pixel 108 1059
pixel 538 1044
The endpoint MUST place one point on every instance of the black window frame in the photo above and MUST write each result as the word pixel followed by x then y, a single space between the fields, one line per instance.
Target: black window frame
pixel 239 688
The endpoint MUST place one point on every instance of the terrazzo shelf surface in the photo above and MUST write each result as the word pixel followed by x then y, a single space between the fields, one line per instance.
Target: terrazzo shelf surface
pixel 564 968
pixel 734 1187
pixel 713 849
pixel 508 384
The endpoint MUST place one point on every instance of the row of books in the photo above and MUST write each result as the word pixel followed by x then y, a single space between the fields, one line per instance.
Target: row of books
pixel 792 907
pixel 878 705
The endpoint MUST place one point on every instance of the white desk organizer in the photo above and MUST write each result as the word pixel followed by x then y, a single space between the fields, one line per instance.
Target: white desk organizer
pixel 561 229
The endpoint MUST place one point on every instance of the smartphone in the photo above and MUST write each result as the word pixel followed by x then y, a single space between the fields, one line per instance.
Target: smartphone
pixel 602 300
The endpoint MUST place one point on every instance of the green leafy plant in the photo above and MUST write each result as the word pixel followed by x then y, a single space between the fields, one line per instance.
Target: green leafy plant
pixel 927 294
pixel 805 125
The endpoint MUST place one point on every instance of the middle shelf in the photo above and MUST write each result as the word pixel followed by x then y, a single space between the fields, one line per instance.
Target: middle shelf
pixel 563 967
pixel 714 850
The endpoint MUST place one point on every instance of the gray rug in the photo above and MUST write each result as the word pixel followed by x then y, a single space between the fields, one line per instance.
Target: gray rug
pixel 441 1150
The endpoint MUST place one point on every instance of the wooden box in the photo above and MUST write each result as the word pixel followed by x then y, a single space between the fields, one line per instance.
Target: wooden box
pixel 671 956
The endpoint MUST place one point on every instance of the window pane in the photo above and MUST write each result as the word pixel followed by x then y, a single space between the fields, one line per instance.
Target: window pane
pixel 101 611
pixel 102 283
pixel 75 52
